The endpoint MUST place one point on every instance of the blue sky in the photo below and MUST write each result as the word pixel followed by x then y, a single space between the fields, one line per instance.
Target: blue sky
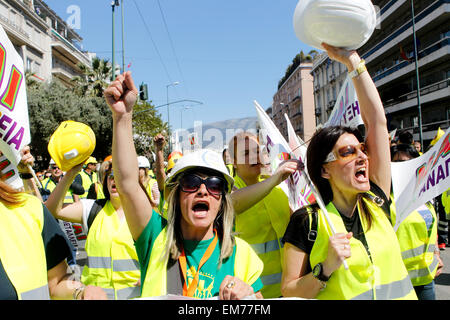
pixel 224 54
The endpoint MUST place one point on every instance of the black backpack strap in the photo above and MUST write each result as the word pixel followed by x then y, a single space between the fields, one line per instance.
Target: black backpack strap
pixel 174 278
pixel 98 205
pixel 312 235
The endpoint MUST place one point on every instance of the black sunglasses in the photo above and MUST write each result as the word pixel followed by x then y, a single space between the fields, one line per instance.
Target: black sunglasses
pixel 190 183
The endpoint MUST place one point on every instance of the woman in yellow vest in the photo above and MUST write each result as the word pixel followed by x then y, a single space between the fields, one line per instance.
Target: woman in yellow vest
pixel 192 252
pixel 149 184
pixel 261 207
pixel 33 248
pixel 354 180
pixel 112 262
pixel 417 235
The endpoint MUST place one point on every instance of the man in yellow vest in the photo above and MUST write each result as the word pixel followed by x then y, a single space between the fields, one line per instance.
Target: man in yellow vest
pixel 87 176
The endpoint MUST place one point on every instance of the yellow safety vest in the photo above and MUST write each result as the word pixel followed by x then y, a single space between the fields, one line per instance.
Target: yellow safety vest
pixel 22 250
pixel 247 266
pixel 445 198
pixel 417 245
pixel 112 261
pixel 50 185
pixel 87 181
pixel 263 226
pixel 99 191
pixel 381 276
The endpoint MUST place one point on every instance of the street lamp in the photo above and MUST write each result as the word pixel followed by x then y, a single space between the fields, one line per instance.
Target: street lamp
pixel 168 116
pixel 416 58
pixel 114 4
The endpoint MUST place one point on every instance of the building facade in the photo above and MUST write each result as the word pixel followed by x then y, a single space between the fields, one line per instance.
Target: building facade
pixel 389 56
pixel 49 47
pixel 295 97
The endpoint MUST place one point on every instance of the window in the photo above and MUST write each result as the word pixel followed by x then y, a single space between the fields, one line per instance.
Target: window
pixel 29 64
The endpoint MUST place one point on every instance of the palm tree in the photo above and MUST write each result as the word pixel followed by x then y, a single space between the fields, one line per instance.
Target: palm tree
pixel 94 79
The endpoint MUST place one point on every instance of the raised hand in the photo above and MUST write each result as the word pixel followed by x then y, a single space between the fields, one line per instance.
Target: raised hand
pixel 121 94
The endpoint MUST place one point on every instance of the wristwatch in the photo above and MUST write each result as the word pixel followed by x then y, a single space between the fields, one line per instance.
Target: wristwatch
pixel 318 274
pixel 359 69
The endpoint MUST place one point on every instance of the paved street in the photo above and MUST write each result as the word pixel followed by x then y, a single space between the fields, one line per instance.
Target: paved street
pixel 443 281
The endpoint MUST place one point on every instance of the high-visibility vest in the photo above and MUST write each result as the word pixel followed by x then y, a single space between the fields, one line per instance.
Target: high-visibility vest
pixel 417 245
pixel 50 185
pixel 22 250
pixel 87 180
pixel 112 261
pixel 99 191
pixel 263 226
pixel 445 198
pixel 381 276
pixel 155 282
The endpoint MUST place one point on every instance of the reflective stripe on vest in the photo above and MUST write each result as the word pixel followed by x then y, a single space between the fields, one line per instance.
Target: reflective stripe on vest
pixel 22 249
pixel 268 246
pixel 112 261
pixel 418 242
pixel 380 276
pixel 262 226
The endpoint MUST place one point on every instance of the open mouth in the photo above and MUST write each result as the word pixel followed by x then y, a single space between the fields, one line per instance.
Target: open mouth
pixel 200 208
pixel 361 174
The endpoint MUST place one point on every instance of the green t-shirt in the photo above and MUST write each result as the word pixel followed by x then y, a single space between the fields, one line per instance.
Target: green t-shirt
pixel 210 276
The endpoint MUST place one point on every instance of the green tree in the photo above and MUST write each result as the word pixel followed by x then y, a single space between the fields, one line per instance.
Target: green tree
pixel 94 79
pixel 49 104
pixel 147 123
pixel 296 61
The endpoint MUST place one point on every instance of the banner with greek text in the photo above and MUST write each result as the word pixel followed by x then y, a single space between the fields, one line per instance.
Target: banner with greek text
pixel 346 110
pixel 14 124
pixel 419 180
pixel 279 150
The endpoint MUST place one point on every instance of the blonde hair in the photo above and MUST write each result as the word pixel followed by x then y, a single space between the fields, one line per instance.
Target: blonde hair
pixel 223 224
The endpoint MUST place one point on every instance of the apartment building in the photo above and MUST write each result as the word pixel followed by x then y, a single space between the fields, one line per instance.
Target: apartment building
pixel 295 97
pixel 389 56
pixel 48 46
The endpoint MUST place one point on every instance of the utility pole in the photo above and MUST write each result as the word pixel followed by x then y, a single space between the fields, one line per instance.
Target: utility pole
pixel 416 58
pixel 123 43
pixel 113 5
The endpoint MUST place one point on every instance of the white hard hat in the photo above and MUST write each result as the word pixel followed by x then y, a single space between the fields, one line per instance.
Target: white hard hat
pixel 203 158
pixel 340 23
pixel 51 162
pixel 143 162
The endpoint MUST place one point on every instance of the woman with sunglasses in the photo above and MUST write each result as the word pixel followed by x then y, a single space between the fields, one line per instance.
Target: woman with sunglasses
pixel 192 252
pixel 417 236
pixel 353 178
pixel 112 261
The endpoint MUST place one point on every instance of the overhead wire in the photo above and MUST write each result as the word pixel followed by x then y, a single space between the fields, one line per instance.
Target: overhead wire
pixel 153 42
pixel 172 46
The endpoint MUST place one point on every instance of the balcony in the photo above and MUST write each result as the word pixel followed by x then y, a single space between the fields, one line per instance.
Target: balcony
pixel 318 111
pixel 432 52
pixel 431 13
pixel 432 92
pixel 67 50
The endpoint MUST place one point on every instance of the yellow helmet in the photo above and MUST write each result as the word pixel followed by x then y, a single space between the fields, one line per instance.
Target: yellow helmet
pixel 172 159
pixel 439 135
pixel 91 160
pixel 72 143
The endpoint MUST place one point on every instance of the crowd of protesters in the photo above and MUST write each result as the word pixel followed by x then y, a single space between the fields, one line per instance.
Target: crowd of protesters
pixel 207 225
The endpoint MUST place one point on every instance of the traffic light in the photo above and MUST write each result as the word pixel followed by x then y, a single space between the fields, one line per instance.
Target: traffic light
pixel 143 92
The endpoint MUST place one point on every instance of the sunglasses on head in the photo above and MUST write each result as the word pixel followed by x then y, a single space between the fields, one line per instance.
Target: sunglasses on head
pixel 347 153
pixel 54 167
pixel 190 183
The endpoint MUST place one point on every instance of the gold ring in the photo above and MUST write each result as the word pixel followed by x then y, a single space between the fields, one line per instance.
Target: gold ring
pixel 230 285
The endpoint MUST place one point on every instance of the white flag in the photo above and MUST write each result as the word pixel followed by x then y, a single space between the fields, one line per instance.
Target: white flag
pixel 279 150
pixel 346 111
pixel 419 180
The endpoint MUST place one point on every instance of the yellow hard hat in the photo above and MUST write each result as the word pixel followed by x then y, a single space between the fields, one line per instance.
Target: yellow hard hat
pixel 439 135
pixel 91 160
pixel 173 158
pixel 72 143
